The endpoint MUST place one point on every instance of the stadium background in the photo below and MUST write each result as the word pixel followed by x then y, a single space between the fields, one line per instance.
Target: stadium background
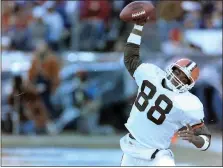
pixel 65 92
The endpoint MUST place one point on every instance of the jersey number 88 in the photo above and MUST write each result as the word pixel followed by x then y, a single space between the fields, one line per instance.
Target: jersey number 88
pixel 156 107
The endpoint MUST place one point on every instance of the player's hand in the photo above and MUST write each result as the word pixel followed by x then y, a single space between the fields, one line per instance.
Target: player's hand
pixel 142 22
pixel 187 134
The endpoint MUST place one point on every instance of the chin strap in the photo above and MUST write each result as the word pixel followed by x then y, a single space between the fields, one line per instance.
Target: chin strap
pixel 170 86
pixel 167 84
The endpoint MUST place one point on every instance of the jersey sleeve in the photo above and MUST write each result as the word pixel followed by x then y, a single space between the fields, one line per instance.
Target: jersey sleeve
pixel 146 71
pixel 131 57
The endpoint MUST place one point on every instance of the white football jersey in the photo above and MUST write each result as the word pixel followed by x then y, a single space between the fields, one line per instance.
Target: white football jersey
pixel 158 112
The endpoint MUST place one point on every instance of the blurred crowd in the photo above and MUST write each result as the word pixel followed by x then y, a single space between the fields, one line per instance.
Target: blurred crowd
pixel 209 91
pixel 38 104
pixel 63 23
pixel 60 23
pixel 192 14
pixel 176 17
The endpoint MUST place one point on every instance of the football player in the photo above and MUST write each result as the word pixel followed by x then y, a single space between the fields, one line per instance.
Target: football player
pixel 163 107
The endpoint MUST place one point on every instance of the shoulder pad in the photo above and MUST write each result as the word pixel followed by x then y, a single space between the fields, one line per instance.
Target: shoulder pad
pixel 152 70
pixel 190 105
pixel 148 71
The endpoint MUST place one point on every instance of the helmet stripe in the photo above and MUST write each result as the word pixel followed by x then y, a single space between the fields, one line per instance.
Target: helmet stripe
pixel 192 66
pixel 189 64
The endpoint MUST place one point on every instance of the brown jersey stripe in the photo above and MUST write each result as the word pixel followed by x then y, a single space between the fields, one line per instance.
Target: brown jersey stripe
pixel 197 126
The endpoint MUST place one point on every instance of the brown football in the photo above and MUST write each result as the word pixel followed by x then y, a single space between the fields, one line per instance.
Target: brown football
pixel 138 10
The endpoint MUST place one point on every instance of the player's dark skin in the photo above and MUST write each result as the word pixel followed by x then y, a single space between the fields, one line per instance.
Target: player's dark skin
pixel 181 76
pixel 132 61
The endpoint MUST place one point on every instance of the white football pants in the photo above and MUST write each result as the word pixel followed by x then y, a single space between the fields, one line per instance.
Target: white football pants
pixel 136 154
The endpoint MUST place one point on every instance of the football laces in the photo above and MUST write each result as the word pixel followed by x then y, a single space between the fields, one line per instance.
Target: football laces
pixel 138 14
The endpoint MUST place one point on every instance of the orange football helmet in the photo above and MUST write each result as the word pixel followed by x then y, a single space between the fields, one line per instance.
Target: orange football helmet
pixel 189 68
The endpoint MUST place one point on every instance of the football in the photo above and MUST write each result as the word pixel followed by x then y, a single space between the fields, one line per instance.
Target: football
pixel 135 11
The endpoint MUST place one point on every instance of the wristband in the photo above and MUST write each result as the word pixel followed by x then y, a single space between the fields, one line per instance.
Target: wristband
pixel 135 39
pixel 138 27
pixel 206 142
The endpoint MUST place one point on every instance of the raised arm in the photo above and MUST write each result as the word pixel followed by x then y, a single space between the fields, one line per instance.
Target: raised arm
pixel 131 51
